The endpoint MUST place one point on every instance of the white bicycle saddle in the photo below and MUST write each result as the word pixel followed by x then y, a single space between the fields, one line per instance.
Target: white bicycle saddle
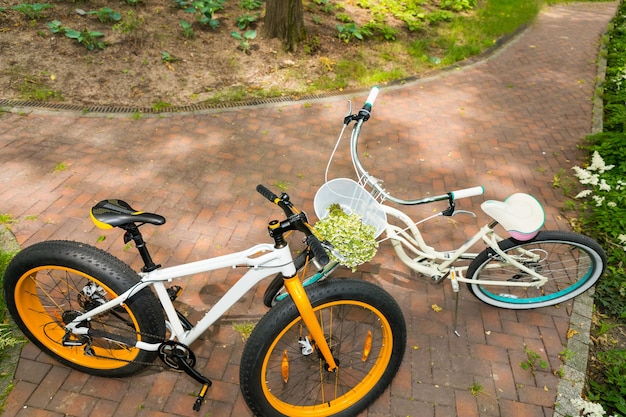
pixel 520 214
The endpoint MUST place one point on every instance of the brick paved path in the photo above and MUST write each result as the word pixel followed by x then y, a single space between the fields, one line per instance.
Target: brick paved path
pixel 509 123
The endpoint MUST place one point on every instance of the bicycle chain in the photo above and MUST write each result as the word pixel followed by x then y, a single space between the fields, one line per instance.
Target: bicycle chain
pixel 142 334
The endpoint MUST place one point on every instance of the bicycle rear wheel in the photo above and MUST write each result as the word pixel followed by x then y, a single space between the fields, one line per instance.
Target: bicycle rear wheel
pixel 572 263
pixel 50 283
pixel 365 329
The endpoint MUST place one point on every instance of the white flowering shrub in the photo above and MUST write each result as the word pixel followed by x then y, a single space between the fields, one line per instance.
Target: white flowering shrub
pixel 351 238
pixel 603 200
pixel 588 409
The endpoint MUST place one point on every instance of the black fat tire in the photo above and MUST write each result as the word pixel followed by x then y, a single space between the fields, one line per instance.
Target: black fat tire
pixel 565 253
pixel 57 270
pixel 348 299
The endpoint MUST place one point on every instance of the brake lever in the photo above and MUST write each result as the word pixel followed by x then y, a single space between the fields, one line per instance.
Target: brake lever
pixel 471 213
pixel 349 116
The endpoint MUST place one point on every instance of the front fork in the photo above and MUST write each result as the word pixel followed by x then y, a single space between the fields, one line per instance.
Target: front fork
pixel 296 290
pixel 303 304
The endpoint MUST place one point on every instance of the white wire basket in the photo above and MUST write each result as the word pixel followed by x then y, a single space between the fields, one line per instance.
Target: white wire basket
pixel 353 199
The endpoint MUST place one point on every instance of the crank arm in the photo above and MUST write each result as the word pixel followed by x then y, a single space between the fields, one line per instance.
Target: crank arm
pixel 206 382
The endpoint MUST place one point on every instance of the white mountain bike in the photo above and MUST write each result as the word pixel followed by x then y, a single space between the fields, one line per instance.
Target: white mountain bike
pixel 331 350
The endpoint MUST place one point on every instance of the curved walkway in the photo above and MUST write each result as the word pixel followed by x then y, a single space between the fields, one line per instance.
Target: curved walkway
pixel 509 123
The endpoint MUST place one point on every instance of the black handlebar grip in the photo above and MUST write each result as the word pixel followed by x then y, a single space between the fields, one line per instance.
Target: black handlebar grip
pixel 318 250
pixel 261 189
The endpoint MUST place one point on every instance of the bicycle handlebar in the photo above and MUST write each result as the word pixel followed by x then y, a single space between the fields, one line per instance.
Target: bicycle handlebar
pixel 363 116
pixel 296 222
pixel 267 193
pixel 318 250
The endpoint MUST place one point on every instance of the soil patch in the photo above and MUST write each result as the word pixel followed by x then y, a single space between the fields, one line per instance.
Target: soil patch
pixel 154 65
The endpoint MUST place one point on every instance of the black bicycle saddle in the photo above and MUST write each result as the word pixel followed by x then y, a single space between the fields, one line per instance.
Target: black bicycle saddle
pixel 118 213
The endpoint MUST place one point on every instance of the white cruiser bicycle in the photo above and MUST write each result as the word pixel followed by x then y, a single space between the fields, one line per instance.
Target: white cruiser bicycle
pixel 530 268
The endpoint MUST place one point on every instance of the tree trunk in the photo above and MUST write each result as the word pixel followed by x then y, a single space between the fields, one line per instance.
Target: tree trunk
pixel 284 19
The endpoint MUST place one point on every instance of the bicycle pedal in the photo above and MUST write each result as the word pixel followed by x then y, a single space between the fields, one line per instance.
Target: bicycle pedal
pixel 174 292
pixel 201 395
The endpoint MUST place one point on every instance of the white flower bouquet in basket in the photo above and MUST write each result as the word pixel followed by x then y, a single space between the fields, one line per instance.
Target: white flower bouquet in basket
pixel 354 240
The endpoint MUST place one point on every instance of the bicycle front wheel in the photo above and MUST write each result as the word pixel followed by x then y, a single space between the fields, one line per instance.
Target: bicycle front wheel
pixel 572 263
pixel 49 284
pixel 366 332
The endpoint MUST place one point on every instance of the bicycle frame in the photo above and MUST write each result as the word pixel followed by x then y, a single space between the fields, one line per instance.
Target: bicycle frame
pixel 271 262
pixel 416 244
pixel 263 260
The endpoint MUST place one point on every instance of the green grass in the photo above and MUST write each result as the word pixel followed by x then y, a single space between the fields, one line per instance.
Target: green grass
pixel 438 44
pixel 5 258
pixel 7 336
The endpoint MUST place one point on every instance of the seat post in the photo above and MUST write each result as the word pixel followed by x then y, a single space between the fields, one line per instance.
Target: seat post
pixel 133 233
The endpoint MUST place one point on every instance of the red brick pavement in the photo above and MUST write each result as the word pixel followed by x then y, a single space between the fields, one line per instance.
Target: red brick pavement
pixel 510 123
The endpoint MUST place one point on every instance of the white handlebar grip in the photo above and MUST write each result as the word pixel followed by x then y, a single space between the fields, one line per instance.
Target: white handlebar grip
pixel 467 192
pixel 372 97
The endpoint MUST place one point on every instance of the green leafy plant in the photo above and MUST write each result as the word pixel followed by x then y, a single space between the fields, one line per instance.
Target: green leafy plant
pixel 612 390
pixel 89 39
pixel 353 240
pixel 439 16
pixel 60 167
pixel 458 5
pixel 352 31
pixel 343 17
pixel 6 218
pixel 244 329
pixel 533 361
pixel 106 14
pixel 167 57
pixel 250 4
pixel 324 5
pixel 204 10
pixel 129 23
pixel 476 388
pixel 160 105
pixel 187 29
pixel 7 337
pixel 610 293
pixel 32 11
pixel 244 21
pixel 381 29
pixel 565 355
pixel 244 39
